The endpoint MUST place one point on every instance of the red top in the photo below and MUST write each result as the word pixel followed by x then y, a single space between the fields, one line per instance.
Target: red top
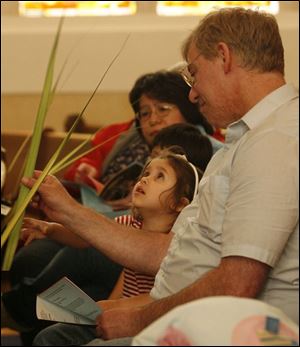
pixel 97 157
pixel 218 135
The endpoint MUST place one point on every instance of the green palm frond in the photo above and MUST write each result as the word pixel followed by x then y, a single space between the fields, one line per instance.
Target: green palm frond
pixel 18 153
pixel 14 224
pixel 32 154
pixel 65 162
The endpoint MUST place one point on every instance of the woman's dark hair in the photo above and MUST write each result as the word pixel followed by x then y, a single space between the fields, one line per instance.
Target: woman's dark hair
pixel 168 86
pixel 197 147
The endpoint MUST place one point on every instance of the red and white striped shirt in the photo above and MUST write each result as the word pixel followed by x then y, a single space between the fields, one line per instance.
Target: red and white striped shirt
pixel 135 283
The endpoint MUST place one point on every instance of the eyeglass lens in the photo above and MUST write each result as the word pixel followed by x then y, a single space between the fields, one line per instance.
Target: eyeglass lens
pixel 161 110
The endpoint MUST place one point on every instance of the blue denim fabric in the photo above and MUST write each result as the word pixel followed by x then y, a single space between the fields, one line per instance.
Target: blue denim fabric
pixel 62 334
pixel 123 341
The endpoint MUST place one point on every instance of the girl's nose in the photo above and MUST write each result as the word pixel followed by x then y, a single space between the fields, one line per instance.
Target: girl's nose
pixel 144 179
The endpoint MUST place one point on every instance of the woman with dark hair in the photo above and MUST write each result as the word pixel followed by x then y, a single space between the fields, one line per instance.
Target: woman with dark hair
pixel 167 86
pixel 158 99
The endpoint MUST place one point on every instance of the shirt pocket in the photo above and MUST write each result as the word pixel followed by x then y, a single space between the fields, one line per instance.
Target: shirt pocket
pixel 213 194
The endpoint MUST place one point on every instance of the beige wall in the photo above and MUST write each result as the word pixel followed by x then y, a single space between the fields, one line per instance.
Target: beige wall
pixel 18 110
pixel 154 43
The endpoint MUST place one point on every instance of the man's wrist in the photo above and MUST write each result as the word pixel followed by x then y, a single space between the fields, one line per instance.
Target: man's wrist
pixel 71 213
pixel 76 216
pixel 141 318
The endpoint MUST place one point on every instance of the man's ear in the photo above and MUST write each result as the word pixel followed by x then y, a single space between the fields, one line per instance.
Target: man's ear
pixel 226 55
pixel 183 202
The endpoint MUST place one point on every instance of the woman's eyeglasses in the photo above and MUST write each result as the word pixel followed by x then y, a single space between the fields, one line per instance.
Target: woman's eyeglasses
pixel 161 110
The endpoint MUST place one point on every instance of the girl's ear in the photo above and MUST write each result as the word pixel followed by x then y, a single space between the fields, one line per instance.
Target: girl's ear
pixel 183 202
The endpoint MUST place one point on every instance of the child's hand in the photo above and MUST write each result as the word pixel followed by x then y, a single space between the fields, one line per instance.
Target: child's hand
pixel 84 170
pixel 33 229
pixel 92 182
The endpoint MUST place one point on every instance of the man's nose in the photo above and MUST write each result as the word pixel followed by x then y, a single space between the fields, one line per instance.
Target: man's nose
pixel 193 95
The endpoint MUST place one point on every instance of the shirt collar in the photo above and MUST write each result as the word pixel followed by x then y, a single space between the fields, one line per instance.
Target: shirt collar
pixel 257 114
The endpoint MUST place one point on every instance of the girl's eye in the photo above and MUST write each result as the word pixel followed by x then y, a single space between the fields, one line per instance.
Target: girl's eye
pixel 160 175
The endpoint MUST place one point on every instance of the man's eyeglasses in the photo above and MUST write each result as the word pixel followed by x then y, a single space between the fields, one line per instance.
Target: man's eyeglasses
pixel 186 74
pixel 161 110
pixel 188 78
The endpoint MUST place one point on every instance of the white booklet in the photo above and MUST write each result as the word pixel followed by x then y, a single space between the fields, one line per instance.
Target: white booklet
pixel 67 303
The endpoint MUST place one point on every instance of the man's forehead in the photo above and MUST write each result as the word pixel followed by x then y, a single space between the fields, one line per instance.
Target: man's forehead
pixel 192 53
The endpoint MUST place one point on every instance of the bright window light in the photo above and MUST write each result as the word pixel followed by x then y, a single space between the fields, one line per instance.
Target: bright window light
pixel 76 8
pixel 185 8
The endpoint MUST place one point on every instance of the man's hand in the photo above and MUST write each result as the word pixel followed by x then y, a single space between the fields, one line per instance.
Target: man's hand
pixel 52 197
pixel 108 304
pixel 119 322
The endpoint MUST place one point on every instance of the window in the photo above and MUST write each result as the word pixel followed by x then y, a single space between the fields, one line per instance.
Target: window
pixel 76 8
pixel 182 8
pixel 118 8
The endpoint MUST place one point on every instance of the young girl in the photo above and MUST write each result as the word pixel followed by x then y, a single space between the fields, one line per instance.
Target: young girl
pixel 167 184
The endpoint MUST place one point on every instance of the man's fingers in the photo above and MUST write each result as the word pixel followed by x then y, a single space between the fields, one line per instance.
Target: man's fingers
pixel 28 182
pixel 37 173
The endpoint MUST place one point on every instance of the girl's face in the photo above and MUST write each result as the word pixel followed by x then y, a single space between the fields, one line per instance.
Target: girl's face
pixel 155 115
pixel 154 187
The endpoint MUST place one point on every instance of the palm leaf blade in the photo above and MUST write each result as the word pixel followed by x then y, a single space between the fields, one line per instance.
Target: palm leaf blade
pixel 32 154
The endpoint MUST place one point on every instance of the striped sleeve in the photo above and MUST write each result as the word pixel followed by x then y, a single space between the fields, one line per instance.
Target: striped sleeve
pixel 136 283
pixel 124 219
